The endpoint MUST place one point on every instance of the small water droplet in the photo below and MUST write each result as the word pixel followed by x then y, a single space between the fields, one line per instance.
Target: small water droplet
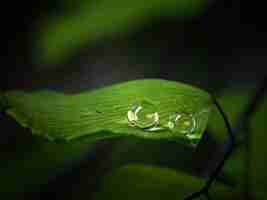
pixel 143 115
pixel 182 123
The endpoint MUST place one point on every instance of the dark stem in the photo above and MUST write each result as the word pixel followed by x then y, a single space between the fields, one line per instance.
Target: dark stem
pixel 255 101
pixel 228 151
pixel 230 147
pixel 195 195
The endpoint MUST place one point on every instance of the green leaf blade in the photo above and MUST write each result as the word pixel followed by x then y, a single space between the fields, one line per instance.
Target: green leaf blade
pixel 103 113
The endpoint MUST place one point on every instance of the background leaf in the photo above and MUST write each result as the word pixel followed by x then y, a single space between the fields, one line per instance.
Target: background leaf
pixel 102 113
pixel 234 102
pixel 259 152
pixel 93 20
pixel 147 182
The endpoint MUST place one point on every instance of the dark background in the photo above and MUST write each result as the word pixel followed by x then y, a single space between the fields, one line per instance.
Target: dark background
pixel 223 46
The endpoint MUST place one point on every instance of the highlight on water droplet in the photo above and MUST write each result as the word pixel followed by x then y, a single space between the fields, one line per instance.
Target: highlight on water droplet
pixel 143 114
pixel 182 123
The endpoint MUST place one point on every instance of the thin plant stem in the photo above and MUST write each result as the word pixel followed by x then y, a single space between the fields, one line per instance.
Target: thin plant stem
pixel 228 152
pixel 243 121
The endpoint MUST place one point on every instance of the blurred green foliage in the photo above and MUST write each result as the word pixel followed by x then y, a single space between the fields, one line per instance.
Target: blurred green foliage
pixel 146 182
pixel 258 152
pixel 61 36
pixel 234 101
pixel 34 162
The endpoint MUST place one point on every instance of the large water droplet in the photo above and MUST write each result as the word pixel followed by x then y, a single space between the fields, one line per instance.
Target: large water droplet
pixel 182 123
pixel 143 115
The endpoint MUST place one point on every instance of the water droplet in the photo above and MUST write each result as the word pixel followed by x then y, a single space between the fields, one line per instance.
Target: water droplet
pixel 143 115
pixel 182 123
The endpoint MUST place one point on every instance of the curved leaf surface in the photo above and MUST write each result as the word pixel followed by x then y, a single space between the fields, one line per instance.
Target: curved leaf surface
pixel 103 113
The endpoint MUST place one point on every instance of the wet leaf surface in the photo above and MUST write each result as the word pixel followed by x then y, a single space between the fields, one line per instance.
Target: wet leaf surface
pixel 102 113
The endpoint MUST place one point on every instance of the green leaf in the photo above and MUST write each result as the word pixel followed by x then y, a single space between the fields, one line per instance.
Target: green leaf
pixel 103 113
pixel 63 35
pixel 147 182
